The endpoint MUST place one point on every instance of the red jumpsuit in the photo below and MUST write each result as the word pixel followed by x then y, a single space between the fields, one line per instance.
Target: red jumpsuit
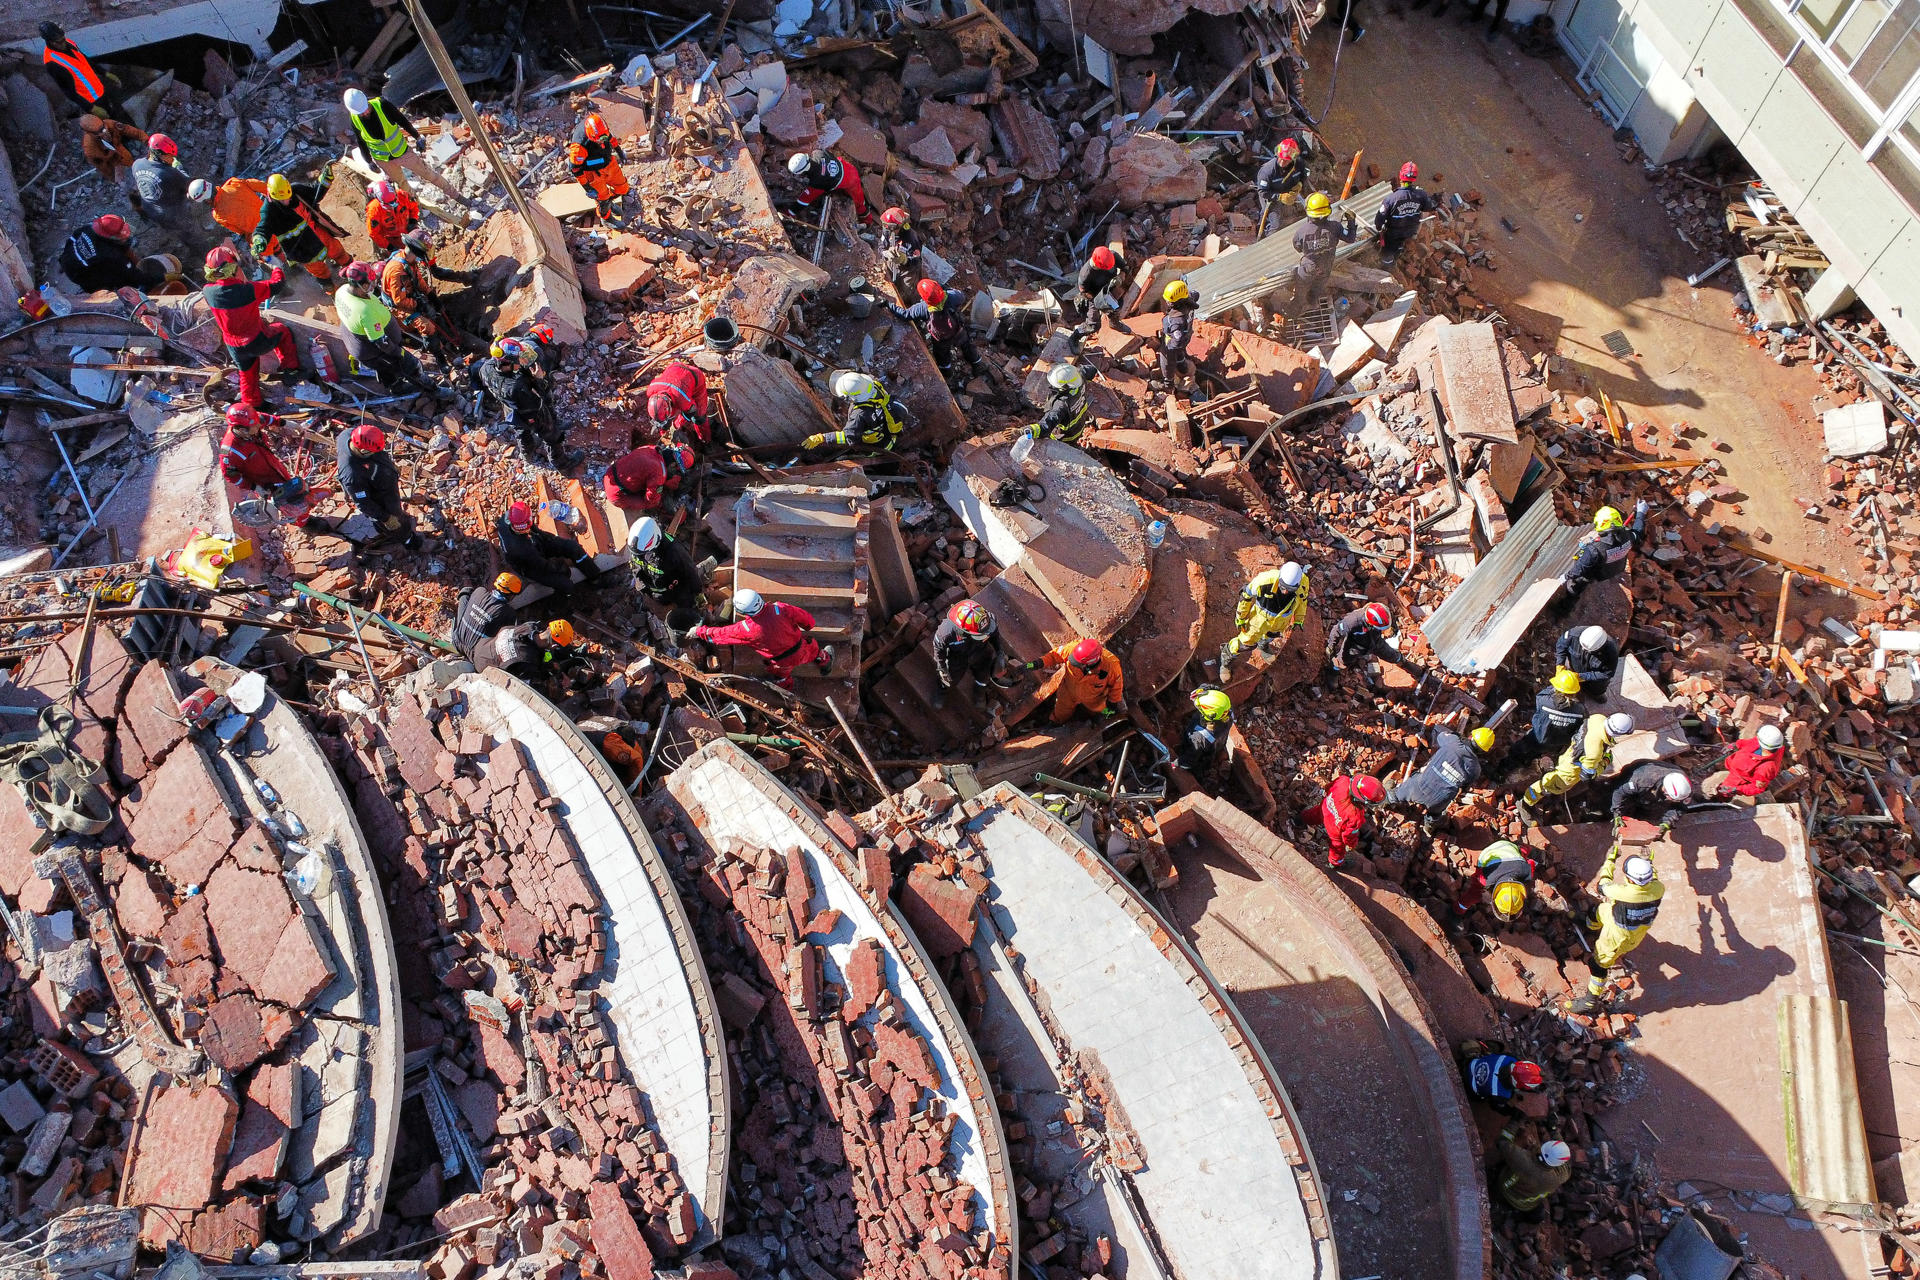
pixel 250 464
pixel 848 185
pixel 636 480
pixel 387 223
pixel 248 335
pixel 1343 815
pixel 686 387
pixel 1751 770
pixel 778 633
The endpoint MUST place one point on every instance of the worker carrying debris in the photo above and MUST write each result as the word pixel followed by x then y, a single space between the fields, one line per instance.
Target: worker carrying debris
pixel 596 162
pixel 1652 791
pixel 1588 756
pixel 1283 177
pixel 1558 710
pixel 1398 219
pixel 247 462
pixel 391 213
pixel 1591 654
pixel 507 376
pixel 778 632
pixel 292 226
pixel 1362 636
pixel 1093 287
pixel 1453 767
pixel 1271 605
pixel 1528 1177
pixel 537 652
pixel 385 139
pixel 1065 416
pixel 74 74
pixel 1176 331
pixel 406 278
pixel 967 642
pixel 372 480
pixel 663 568
pixel 1093 681
pixel 235 302
pixel 103 144
pixel 372 337
pixel 941 318
pixel 641 477
pixel 160 195
pixel 1502 873
pixel 1316 240
pixel 1206 739
pixel 678 403
pixel 902 249
pixel 874 420
pixel 99 257
pixel 1496 1077
pixel 537 555
pixel 1602 554
pixel 1751 769
pixel 1629 902
pixel 235 203
pixel 825 174
pixel 1343 812
pixel 481 615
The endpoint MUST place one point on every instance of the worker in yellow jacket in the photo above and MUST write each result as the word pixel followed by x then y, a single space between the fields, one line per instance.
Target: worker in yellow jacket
pixel 1273 603
pixel 1629 901
pixel 1589 755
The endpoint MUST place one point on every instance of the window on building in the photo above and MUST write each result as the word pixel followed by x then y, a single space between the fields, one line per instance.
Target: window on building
pixel 1861 61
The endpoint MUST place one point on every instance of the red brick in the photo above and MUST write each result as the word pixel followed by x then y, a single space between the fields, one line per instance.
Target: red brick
pixel 184 1137
pixel 866 977
pixel 616 1237
pixel 941 911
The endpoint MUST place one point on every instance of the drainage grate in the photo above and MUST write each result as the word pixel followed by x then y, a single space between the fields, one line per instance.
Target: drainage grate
pixel 1315 326
pixel 1617 343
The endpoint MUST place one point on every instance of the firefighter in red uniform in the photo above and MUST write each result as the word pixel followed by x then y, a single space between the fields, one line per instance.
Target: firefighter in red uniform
pixel 247 462
pixel 823 174
pixel 777 632
pixel 1344 812
pixel 235 302
pixel 1751 769
pixel 640 478
pixel 677 401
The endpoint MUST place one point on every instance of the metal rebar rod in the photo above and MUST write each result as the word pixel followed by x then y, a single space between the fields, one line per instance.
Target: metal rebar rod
pixel 78 483
pixel 92 521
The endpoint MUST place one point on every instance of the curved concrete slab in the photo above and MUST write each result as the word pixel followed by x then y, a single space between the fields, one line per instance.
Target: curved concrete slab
pixel 729 794
pixel 655 982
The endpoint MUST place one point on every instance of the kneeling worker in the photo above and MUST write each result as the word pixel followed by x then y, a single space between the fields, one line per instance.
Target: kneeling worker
pixel 482 615
pixel 1093 681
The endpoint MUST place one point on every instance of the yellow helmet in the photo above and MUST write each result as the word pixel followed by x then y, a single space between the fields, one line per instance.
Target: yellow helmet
pixel 1482 739
pixel 1212 704
pixel 278 188
pixel 1607 518
pixel 1318 205
pixel 1509 899
pixel 1564 681
pixel 1177 291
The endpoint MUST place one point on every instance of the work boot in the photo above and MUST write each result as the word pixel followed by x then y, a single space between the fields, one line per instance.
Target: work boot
pixel 1525 811
pixel 1588 1005
pixel 825 660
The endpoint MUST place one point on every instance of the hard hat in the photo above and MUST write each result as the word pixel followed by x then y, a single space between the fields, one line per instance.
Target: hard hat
pixel 1638 869
pixel 1287 152
pixel 797 163
pixel 1292 573
pixel 417 242
pixel 163 144
pixel 1378 616
pixel 595 128
pixel 53 33
pixel 972 617
pixel 1554 1153
pixel 1607 518
pixel 543 334
pixel 511 348
pixel 660 407
pixel 645 535
pixel 1498 851
pixel 112 226
pixel 242 417
pixel 896 217
pixel 1176 291
pixel 1526 1075
pixel 747 602
pixel 278 188
pixel 496 351
pixel 359 273
pixel 356 101
pixel 367 438
pixel 1409 172
pixel 1103 259
pixel 1482 739
pixel 1369 789
pixel 519 517
pixel 856 386
pixel 508 584
pixel 1593 639
pixel 199 191
pixel 1086 653
pixel 1318 205
pixel 562 632
pixel 1065 377
pixel 1509 899
pixel 1212 704
pixel 1676 787
pixel 931 293
pixel 1771 739
pixel 1619 724
pixel 1564 681
pixel 383 191
pixel 222 262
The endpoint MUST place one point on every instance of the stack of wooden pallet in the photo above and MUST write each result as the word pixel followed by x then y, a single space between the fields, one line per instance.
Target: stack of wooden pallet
pixel 1762 221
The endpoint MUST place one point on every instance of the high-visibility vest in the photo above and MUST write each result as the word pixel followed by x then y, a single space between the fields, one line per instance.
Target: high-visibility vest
pixel 85 78
pixel 391 144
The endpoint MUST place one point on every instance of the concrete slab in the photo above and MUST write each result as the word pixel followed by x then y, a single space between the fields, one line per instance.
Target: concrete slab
pixel 1657 734
pixel 1857 429
pixel 1472 380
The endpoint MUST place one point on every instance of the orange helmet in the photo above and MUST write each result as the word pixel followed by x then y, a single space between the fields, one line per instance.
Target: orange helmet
pixel 932 294
pixel 562 632
pixel 508 584
pixel 1086 654
pixel 596 128
pixel 1103 259
pixel 543 334
pixel 519 517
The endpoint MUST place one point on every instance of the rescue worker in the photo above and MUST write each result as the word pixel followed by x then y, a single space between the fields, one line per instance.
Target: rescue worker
pixel 74 74
pixel 1602 554
pixel 103 144
pixel 406 278
pixel 1592 656
pixel 545 346
pixel 941 318
pixel 1398 219
pixel 372 480
pixel 160 193
pixel 1094 285
pixel 1502 872
pixel 967 642
pixel 1452 768
pixel 99 258
pixel 1528 1177
pixel 236 205
pixel 777 632
pixel 1496 1077
pixel 1362 635
pixel 372 337
pixel 535 554
pixel 1093 681
pixel 1588 756
pixel 235 302
pixel 386 140
pixel 640 478
pixel 1283 177
pixel 507 377
pixel 662 566
pixel 901 248
pixel 1751 769
pixel 537 652
pixel 1628 904
pixel 1176 331
pixel 481 615
pixel 1207 735
pixel 1344 812
pixel 596 161
pixel 1652 791
pixel 874 420
pixel 247 463
pixel 1067 411
pixel 824 174
pixel 1271 605
pixel 1557 712
pixel 1317 240
pixel 677 401
pixel 291 215
pixel 391 213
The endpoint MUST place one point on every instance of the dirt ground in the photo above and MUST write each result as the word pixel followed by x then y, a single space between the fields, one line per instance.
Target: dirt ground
pixel 1594 252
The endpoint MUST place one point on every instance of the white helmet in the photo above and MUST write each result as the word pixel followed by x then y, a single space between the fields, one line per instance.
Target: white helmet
pixel 850 384
pixel 644 536
pixel 356 101
pixel 1593 638
pixel 1676 788
pixel 797 163
pixel 1771 739
pixel 1638 869
pixel 1619 724
pixel 1554 1153
pixel 199 191
pixel 1290 574
pixel 1065 378
pixel 747 602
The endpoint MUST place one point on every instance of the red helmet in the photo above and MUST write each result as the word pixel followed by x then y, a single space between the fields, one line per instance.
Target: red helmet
pixel 1409 173
pixel 112 226
pixel 1086 653
pixel 1526 1075
pixel 1103 259
pixel 596 128
pixel 222 262
pixel 1287 152
pixel 660 407
pixel 511 349
pixel 895 217
pixel 543 334
pixel 385 192
pixel 359 273
pixel 1368 788
pixel 367 438
pixel 519 517
pixel 242 417
pixel 973 618
pixel 932 294
pixel 163 144
pixel 1378 617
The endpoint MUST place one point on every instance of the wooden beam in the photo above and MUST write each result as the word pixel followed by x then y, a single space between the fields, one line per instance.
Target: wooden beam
pixel 1657 464
pixel 1805 571
pixel 382 47
pixel 1780 616
pixel 1212 100
pixel 1800 678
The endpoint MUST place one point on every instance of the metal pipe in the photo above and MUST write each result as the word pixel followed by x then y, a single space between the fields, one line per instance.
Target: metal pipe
pixel 1327 403
pixel 88 527
pixel 78 483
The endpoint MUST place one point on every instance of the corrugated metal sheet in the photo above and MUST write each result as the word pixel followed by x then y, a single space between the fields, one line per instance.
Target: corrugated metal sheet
pixel 1826 1135
pixel 1265 265
pixel 1492 609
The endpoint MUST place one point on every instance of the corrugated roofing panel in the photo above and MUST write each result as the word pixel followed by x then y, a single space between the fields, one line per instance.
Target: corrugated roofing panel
pixel 1488 613
pixel 1263 266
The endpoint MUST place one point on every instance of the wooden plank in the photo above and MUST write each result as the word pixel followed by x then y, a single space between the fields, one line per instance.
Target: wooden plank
pixel 1780 616
pixel 384 44
pixel 1805 571
pixel 1473 378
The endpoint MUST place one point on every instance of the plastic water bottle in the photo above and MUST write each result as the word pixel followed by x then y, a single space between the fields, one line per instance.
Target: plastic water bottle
pixel 55 300
pixel 1156 534
pixel 559 512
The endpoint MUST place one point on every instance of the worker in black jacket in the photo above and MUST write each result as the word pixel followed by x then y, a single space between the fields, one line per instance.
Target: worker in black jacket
pixel 1176 331
pixel 1362 635
pixel 941 317
pixel 1094 284
pixel 1654 792
pixel 1454 766
pixel 1067 412
pixel 902 248
pixel 544 654
pixel 508 377
pixel 99 256
pixel 1398 219
pixel 1317 240
pixel 371 478
pixel 291 223
pixel 663 568
pixel 967 642
pixel 483 614
pixel 538 556
pixel 1602 554
pixel 1283 177
pixel 1591 654
pixel 1558 712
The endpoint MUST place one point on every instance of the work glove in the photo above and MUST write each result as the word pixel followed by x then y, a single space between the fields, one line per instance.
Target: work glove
pixel 1586 773
pixel 1640 507
pixel 813 441
pixel 1031 666
pixel 1109 710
